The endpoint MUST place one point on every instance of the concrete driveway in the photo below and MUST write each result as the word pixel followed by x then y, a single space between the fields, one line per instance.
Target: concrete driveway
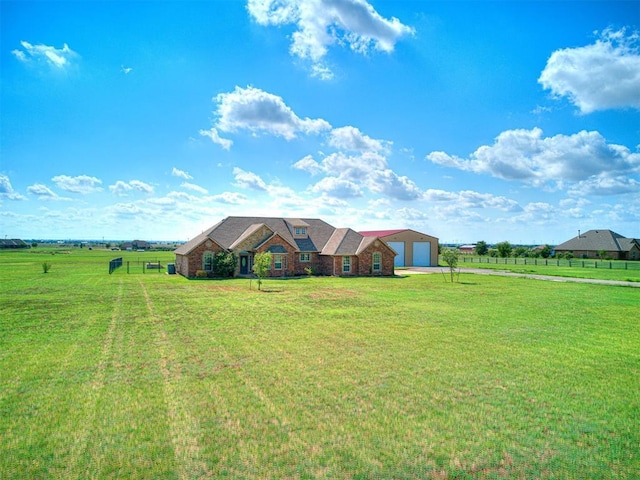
pixel 483 271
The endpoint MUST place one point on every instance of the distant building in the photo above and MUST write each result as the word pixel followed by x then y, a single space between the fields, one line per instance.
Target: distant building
pixel 136 245
pixel 591 243
pixel 467 249
pixel 13 243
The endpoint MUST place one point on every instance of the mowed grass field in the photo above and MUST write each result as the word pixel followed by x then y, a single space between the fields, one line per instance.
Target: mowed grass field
pixel 156 376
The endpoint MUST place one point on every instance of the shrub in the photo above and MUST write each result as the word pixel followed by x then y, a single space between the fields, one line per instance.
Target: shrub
pixel 224 264
pixel 46 266
pixel 201 274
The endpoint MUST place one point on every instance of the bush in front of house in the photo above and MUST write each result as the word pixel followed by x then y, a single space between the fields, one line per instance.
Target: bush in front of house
pixel 224 264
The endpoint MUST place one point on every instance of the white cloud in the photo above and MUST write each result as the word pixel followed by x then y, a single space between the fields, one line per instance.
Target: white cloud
pixel 348 175
pixel 258 111
pixel 468 199
pixel 605 184
pixel 215 137
pixel 249 180
pixel 6 190
pixel 601 76
pixel 337 187
pixel 121 188
pixel 527 156
pixel 352 139
pixel 395 186
pixel 141 186
pixel 80 184
pixel 194 187
pixel 176 172
pixel 44 193
pixel 323 23
pixel 230 198
pixel 308 164
pixel 59 58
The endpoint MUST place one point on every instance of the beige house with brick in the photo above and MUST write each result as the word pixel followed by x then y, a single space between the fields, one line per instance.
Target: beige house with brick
pixel 295 244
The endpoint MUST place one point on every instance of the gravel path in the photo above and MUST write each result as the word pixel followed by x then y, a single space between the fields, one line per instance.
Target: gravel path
pixel 483 271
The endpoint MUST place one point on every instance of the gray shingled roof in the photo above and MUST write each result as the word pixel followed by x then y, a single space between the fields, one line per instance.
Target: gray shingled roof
pixel 598 240
pixel 228 231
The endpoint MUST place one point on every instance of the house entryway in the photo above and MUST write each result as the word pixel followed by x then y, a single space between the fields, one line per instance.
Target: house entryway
pixel 244 265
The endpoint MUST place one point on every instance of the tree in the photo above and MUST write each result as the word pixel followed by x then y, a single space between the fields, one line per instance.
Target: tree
pixel 520 252
pixel 482 248
pixel 545 252
pixel 504 249
pixel 261 265
pixel 450 257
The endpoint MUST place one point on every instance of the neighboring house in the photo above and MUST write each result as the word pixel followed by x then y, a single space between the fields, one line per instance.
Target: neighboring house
pixel 467 249
pixel 295 244
pixel 136 245
pixel 414 249
pixel 13 243
pixel 591 243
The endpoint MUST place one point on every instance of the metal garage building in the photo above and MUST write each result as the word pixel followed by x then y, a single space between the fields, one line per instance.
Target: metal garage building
pixel 414 249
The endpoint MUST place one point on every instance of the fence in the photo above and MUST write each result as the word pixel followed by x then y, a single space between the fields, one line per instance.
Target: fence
pixel 555 262
pixel 114 264
pixel 136 266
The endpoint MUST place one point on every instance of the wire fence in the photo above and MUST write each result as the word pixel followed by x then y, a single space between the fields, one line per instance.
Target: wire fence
pixel 137 266
pixel 555 262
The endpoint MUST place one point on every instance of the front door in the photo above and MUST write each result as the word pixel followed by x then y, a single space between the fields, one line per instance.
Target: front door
pixel 244 264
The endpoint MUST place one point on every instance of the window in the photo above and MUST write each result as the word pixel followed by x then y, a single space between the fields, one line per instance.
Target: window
pixel 301 231
pixel 277 262
pixel 346 264
pixel 207 261
pixel 377 261
pixel 305 257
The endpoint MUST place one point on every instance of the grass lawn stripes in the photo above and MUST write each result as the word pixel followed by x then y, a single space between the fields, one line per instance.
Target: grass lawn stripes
pixel 155 376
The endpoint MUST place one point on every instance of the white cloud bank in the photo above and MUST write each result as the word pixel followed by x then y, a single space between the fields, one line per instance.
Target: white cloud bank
pixel 7 191
pixel 323 23
pixel 58 58
pixel 605 75
pixel 176 172
pixel 582 159
pixel 261 112
pixel 45 193
pixel 122 188
pixel 83 184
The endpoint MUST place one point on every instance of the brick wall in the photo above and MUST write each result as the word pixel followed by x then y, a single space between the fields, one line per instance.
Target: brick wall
pixel 288 259
pixel 187 265
pixel 366 260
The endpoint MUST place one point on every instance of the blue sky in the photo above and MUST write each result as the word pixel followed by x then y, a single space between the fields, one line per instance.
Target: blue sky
pixel 468 121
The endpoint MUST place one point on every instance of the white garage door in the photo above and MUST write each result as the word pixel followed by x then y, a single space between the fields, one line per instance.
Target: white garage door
pixel 421 254
pixel 399 248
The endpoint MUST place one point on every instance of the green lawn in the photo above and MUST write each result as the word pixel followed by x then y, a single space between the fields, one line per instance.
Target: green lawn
pixel 155 376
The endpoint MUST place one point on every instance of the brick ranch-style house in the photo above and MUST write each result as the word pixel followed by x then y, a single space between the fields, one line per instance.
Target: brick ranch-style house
pixel 594 242
pixel 295 245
